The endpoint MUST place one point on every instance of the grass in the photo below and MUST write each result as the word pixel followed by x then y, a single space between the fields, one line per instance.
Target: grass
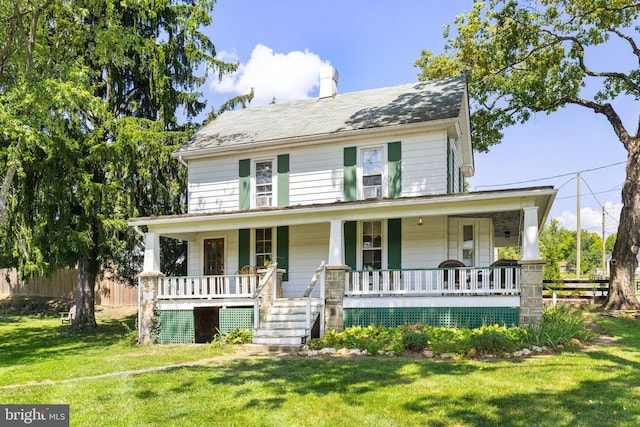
pixel 596 387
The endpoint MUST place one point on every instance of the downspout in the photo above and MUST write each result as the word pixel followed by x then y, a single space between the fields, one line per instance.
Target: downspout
pixel 183 162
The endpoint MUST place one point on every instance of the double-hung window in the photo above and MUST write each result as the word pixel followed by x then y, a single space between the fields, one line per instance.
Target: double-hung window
pixel 264 183
pixel 372 167
pixel 264 247
pixel 371 240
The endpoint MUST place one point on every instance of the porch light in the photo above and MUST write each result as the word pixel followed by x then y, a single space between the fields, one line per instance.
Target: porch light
pixel 420 221
pixel 507 234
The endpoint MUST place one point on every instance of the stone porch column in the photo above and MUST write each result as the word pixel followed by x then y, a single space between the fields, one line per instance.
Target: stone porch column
pixel 530 291
pixel 147 293
pixel 334 298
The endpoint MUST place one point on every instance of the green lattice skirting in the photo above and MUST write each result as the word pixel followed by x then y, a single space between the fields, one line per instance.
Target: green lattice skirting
pixel 176 326
pixel 235 318
pixel 451 317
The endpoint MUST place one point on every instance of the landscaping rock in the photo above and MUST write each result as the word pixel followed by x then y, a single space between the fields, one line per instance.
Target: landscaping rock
pixel 313 353
pixel 428 353
pixel 536 349
pixel 327 351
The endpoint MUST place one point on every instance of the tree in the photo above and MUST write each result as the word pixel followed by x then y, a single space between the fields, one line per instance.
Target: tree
pixel 91 90
pixel 523 57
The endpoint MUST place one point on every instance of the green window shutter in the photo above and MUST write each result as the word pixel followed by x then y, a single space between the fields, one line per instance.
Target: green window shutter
pixel 350 160
pixel 244 202
pixel 244 247
pixel 394 244
pixel 460 181
pixel 394 155
pixel 283 180
pixel 351 244
pixel 282 249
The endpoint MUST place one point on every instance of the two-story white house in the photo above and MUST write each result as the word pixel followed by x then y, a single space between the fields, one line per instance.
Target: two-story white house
pixel 355 201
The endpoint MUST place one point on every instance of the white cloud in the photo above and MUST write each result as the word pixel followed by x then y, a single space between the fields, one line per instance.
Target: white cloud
pixel 591 219
pixel 285 77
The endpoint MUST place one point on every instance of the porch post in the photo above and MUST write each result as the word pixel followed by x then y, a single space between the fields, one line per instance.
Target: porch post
pixel 336 253
pixel 531 265
pixel 151 253
pixel 148 287
pixel 530 244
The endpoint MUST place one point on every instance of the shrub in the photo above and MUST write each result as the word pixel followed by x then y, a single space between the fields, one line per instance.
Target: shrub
pixel 559 325
pixel 414 340
pixel 495 339
pixel 239 336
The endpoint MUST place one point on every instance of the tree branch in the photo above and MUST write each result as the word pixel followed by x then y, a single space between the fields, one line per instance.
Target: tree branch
pixel 632 42
pixel 606 109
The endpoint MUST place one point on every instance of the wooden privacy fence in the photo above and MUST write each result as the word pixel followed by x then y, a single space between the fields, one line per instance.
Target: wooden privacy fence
pixel 62 284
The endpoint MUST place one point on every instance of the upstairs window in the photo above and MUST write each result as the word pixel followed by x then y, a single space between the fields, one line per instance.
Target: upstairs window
pixel 372 173
pixel 264 183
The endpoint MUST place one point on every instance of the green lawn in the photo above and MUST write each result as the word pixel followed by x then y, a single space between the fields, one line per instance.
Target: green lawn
pixel 599 387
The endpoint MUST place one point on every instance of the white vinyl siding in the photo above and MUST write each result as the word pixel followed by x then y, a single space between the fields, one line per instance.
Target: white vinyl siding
pixel 213 185
pixel 316 172
pixel 424 165
pixel 423 246
pixel 309 246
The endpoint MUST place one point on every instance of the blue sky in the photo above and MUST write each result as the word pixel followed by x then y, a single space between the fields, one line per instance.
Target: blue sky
pixel 280 46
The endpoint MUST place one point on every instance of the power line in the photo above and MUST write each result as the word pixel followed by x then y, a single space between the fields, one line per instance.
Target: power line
pixel 551 177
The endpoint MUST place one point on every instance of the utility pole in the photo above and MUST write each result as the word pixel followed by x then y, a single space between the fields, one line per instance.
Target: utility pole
pixel 578 237
pixel 604 256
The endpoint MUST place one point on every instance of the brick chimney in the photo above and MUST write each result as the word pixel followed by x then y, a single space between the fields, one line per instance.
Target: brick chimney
pixel 328 82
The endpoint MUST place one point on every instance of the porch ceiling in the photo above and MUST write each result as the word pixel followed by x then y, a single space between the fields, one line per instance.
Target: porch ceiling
pixel 503 206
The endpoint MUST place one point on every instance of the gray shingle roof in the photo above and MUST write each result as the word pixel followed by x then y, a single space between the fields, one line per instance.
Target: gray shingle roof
pixel 389 106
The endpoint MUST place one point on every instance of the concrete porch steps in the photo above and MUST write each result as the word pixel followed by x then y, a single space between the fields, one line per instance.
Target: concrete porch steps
pixel 285 323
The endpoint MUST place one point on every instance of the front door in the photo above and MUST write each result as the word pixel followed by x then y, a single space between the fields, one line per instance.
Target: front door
pixel 213 257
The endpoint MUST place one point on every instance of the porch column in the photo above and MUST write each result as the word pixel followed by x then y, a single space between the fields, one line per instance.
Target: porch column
pixel 530 291
pixel 530 244
pixel 148 288
pixel 336 253
pixel 151 253
pixel 147 293
pixel 530 270
pixel 334 298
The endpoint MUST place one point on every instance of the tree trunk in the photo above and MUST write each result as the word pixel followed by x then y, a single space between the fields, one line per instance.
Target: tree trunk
pixel 622 294
pixel 5 188
pixel 85 297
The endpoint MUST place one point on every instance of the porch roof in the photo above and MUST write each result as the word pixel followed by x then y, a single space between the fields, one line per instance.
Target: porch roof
pixel 501 205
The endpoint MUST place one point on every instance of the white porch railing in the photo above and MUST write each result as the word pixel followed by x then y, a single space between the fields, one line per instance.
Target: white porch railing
pixel 434 282
pixel 319 275
pixel 207 287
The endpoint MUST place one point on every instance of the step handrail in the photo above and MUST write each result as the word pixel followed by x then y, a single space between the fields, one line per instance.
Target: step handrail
pixel 318 275
pixel 256 294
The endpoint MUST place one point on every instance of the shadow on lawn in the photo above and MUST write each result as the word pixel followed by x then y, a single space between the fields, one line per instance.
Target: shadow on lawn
pixel 600 398
pixel 33 339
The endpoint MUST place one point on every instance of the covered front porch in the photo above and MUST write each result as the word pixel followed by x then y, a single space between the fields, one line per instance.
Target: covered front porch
pixel 418 234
